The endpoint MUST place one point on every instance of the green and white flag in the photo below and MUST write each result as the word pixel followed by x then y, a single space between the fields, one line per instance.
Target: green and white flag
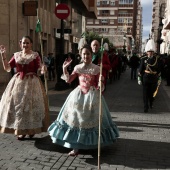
pixel 38 26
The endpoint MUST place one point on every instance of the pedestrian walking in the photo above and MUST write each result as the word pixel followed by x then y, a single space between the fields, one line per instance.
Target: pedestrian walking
pixel 77 125
pixel 149 75
pixel 113 58
pixel 96 59
pixel 134 64
pixel 23 106
pixel 51 67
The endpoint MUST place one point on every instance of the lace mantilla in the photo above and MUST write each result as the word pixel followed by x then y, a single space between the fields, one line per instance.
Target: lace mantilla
pixel 21 58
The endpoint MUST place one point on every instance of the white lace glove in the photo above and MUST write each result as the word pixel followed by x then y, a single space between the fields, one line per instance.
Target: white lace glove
pixel 139 80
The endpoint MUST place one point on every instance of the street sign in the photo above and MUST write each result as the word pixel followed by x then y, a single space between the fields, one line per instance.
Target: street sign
pixel 66 31
pixel 62 11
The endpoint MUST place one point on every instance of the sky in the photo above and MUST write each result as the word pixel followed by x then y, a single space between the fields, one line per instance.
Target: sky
pixel 147 18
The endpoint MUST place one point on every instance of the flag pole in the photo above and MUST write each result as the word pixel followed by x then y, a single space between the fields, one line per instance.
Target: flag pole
pixel 100 106
pixel 38 29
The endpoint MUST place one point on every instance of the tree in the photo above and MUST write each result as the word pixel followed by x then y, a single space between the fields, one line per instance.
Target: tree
pixel 90 36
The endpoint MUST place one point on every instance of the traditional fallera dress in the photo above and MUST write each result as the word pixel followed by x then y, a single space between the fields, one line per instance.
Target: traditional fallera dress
pixel 77 123
pixel 23 106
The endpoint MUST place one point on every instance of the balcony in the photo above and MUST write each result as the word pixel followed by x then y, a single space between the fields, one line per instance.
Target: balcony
pixel 85 7
pixel 105 14
pixel 103 5
pixel 126 5
pixel 125 15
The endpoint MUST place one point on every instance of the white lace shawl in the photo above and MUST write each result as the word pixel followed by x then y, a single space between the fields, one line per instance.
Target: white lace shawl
pixel 21 58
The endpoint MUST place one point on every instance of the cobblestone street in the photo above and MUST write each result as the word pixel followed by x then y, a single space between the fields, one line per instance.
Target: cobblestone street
pixel 144 141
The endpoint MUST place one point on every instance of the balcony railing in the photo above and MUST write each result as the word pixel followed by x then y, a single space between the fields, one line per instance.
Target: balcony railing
pixel 103 5
pixel 125 5
pixel 125 15
pixel 105 14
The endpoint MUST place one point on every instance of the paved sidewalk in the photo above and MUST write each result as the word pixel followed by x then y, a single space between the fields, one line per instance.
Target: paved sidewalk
pixel 144 141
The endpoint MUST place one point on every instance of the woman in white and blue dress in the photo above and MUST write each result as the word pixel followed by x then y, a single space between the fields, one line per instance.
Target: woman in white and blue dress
pixel 77 124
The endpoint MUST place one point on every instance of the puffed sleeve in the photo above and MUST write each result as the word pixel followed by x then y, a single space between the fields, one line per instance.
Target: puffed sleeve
pixel 38 63
pixel 69 78
pixel 12 62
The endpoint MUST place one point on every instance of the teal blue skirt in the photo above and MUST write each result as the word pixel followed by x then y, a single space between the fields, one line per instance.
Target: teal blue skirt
pixel 77 125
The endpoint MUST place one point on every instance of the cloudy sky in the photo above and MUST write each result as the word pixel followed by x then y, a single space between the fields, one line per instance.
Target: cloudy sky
pixel 147 17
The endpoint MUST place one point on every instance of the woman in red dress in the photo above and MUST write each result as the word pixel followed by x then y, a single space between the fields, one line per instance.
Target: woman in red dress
pixel 23 106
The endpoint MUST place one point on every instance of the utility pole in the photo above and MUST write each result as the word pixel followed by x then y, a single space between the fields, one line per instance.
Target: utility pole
pixel 62 11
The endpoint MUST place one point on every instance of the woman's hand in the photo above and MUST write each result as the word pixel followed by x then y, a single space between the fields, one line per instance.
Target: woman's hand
pixel 2 51
pixel 67 62
pixel 101 78
pixel 43 69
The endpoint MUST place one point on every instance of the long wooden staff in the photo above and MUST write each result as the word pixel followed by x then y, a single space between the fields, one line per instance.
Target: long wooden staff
pixel 100 106
pixel 38 29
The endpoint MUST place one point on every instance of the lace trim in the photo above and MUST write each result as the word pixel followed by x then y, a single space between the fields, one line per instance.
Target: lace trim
pixel 21 58
pixel 87 69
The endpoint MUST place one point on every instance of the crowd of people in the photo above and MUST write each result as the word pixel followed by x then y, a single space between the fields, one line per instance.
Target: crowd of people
pixel 24 105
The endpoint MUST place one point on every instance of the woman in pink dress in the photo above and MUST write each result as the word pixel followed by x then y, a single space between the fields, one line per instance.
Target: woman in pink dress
pixel 77 123
pixel 23 106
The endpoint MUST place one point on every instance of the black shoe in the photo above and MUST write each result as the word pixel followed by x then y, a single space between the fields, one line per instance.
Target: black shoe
pixel 146 110
pixel 151 106
pixel 21 137
pixel 31 136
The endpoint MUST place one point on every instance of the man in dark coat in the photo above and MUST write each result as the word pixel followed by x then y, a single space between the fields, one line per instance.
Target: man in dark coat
pixel 134 64
pixel 51 68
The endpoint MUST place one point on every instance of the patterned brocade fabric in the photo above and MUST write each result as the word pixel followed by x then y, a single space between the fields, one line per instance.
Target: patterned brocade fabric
pixel 23 107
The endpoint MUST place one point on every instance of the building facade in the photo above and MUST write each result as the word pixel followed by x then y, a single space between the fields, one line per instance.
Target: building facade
pixel 20 18
pixel 120 21
pixel 157 30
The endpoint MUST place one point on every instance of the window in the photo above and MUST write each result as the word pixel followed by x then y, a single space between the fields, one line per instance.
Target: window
pixel 104 21
pixel 90 29
pixel 125 20
pixel 125 1
pixel 129 21
pixel 89 21
pixel 112 21
pixel 105 11
pixel 104 2
pixel 98 3
pixel 104 30
pixel 123 12
pixel 112 12
pixel 121 20
pixel 112 2
pixel 96 21
pixel 96 30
